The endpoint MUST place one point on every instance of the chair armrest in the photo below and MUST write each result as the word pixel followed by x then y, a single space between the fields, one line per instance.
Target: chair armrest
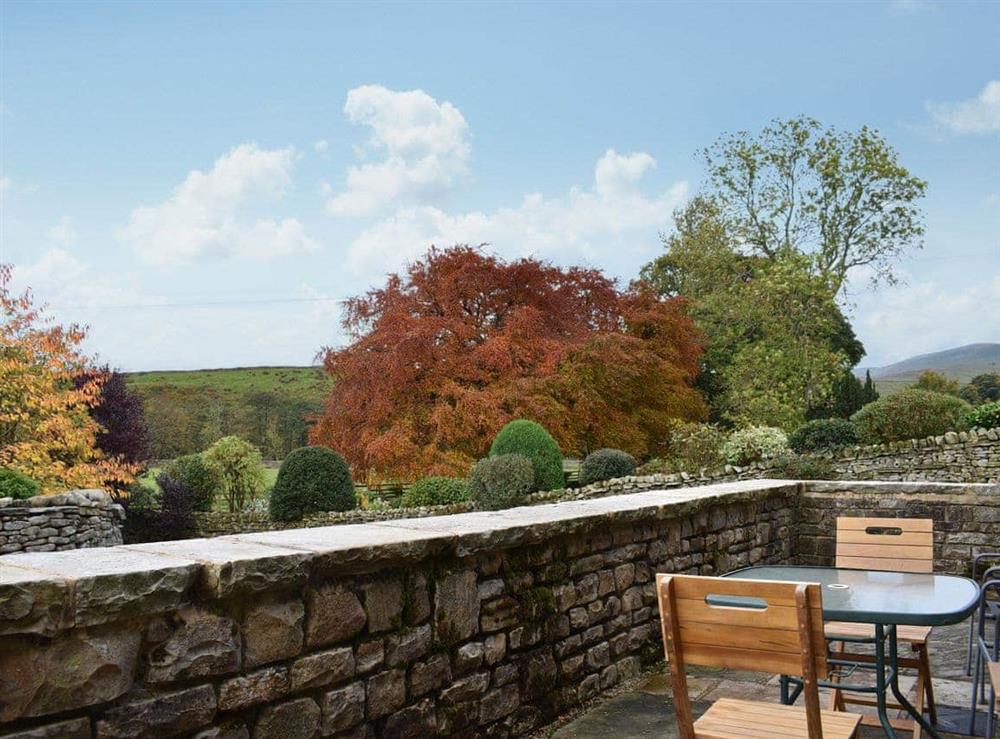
pixel 981 557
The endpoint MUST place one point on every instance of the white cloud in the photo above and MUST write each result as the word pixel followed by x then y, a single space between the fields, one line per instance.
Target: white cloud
pixel 321 145
pixel 209 214
pixel 612 223
pixel 6 184
pixel 423 144
pixel 927 316
pixel 63 233
pixel 980 114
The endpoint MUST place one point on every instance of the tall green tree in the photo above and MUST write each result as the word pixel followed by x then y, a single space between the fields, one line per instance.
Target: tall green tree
pixel 841 197
pixel 776 339
pixel 870 394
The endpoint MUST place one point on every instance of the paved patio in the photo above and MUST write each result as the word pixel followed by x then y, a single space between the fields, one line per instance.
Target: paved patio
pixel 644 708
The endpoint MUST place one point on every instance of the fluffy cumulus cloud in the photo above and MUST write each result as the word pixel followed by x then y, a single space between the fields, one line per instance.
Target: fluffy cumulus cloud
pixel 212 214
pixel 980 114
pixel 421 146
pixel 611 222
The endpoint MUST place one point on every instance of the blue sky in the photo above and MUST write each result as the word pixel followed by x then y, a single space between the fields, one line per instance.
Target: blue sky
pixel 202 182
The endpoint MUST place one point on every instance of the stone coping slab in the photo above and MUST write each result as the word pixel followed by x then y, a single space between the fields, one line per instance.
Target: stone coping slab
pixel 43 592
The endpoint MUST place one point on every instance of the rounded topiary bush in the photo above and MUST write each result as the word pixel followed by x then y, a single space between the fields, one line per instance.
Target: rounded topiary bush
pixel 501 482
pixel 986 416
pixel 909 414
pixel 204 480
pixel 753 444
pixel 312 479
pixel 17 485
pixel 606 464
pixel 531 440
pixel 435 491
pixel 822 434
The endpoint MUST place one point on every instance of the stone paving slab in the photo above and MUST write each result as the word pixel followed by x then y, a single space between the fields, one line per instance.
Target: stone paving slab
pixel 646 709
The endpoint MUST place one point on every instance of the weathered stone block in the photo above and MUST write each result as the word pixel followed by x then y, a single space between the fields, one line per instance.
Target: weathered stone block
pixel 499 614
pixel 321 669
pixel 418 603
pixel 334 614
pixel 384 604
pixel 465 689
pixel 404 647
pixel 160 714
pixel 369 655
pixel 201 645
pixel 77 669
pixel 261 686
pixel 538 673
pixel 386 693
pixel 343 708
pixel 297 719
pixel 498 703
pixel 413 722
pixel 468 657
pixel 272 632
pixel 429 675
pixel 456 607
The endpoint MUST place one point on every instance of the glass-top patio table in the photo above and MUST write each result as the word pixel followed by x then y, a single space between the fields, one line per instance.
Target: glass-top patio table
pixel 886 600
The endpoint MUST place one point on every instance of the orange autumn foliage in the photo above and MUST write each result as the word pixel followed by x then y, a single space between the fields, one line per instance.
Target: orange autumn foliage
pixel 46 430
pixel 443 357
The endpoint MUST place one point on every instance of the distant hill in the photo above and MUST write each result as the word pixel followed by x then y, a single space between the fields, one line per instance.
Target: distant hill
pixel 269 406
pixel 305 383
pixel 961 363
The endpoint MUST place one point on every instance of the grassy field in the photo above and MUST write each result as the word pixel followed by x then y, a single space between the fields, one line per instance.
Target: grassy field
pixel 303 383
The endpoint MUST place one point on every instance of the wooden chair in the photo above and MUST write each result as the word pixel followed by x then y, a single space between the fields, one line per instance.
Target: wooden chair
pixel 748 625
pixel 892 545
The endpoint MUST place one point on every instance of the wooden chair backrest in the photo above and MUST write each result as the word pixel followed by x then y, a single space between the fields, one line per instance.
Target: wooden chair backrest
pixel 891 544
pixel 758 625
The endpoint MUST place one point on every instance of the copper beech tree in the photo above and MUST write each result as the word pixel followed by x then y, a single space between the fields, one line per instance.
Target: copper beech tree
pixel 46 429
pixel 442 357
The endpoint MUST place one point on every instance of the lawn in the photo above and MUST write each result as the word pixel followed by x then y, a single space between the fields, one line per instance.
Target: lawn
pixel 300 383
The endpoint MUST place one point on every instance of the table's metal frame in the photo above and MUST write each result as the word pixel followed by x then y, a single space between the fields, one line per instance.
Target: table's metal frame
pixel 886 670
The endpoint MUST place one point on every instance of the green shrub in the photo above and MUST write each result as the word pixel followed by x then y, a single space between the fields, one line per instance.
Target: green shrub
pixel 694 447
pixel 793 467
pixel 823 434
pixel 986 416
pixel 754 443
pixel 909 414
pixel 204 480
pixel 312 479
pixel 435 491
pixel 531 440
pixel 502 481
pixel 241 469
pixel 606 464
pixel 17 485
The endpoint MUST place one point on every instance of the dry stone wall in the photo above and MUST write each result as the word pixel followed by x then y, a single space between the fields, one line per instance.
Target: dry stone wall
pixel 72 520
pixel 966 517
pixel 958 456
pixel 470 625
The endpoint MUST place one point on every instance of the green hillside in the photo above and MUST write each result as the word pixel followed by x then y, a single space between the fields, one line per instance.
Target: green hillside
pixel 307 383
pixel 961 363
pixel 269 406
